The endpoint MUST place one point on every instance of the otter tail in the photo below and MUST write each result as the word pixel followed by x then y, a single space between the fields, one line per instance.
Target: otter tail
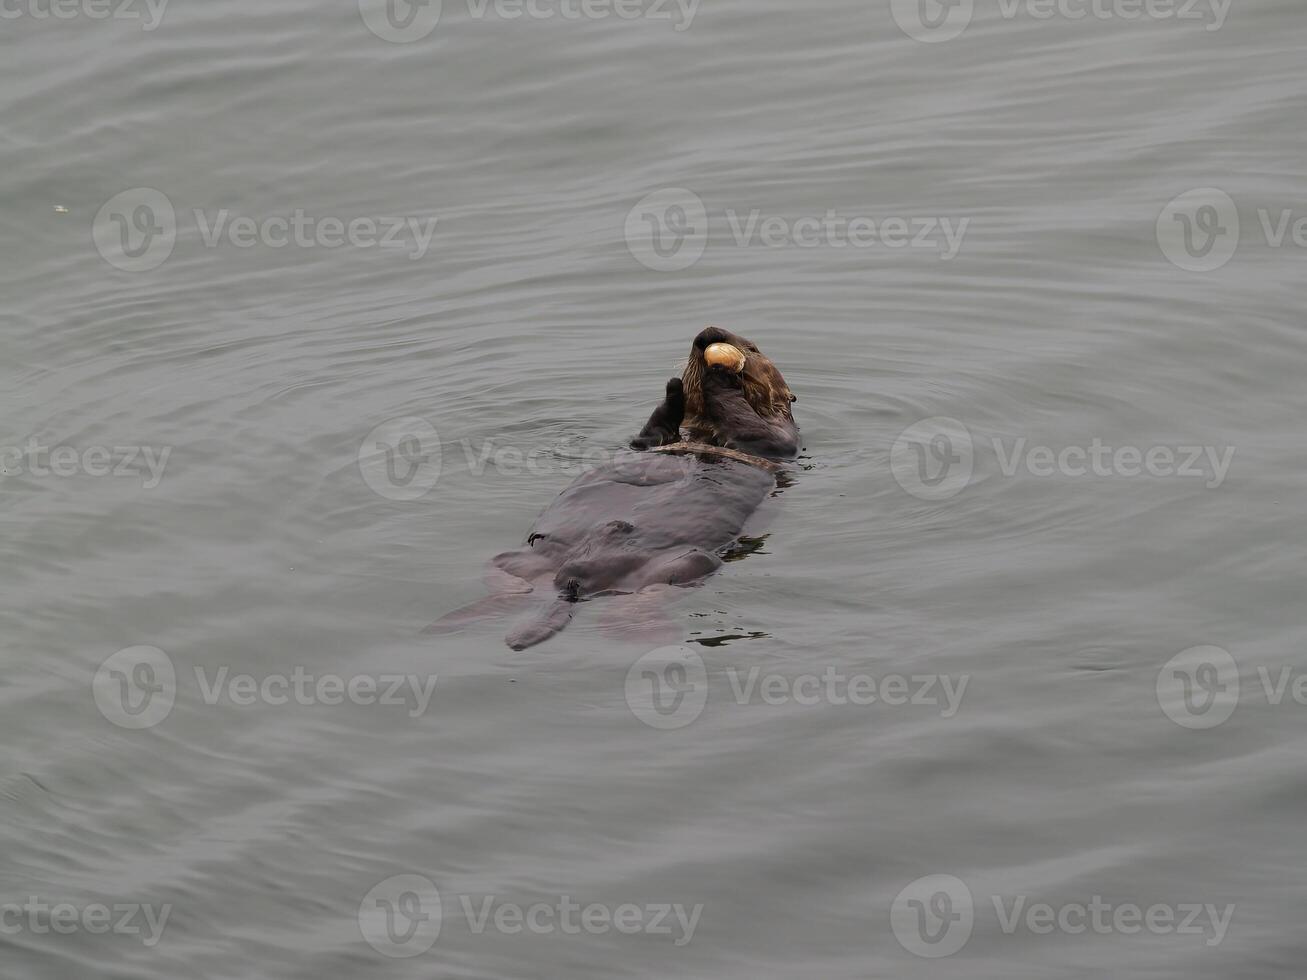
pixel 543 625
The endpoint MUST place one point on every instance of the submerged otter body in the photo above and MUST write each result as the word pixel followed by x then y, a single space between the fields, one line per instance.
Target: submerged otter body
pixel 652 519
pixel 639 522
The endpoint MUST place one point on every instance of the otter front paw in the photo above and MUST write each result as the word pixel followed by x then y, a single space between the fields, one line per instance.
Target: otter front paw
pixel 664 425
pixel 721 376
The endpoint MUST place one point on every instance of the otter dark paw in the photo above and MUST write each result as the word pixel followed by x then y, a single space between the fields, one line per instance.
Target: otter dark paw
pixel 664 425
pixel 722 378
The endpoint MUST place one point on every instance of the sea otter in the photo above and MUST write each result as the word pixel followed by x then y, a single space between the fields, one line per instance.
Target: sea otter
pixel 661 517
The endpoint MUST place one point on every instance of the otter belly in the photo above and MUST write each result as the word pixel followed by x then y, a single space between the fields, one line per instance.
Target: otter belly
pixel 639 521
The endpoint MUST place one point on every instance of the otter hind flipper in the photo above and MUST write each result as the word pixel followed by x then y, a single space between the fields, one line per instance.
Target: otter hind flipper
pixel 542 626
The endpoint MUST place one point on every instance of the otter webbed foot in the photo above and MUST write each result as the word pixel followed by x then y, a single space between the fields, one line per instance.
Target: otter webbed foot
pixel 664 425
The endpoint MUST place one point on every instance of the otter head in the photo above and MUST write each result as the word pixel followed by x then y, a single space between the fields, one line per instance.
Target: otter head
pixel 735 396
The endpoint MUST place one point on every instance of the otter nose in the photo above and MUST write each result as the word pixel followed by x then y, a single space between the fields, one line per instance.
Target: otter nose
pixel 711 335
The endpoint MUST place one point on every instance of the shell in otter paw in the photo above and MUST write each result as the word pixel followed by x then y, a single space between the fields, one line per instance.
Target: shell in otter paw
pixel 727 355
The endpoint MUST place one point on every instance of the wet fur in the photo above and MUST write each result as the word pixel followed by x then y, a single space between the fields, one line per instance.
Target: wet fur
pixel 647 521
pixel 761 386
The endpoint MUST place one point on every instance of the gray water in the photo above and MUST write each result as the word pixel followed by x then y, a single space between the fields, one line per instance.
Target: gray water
pixel 925 533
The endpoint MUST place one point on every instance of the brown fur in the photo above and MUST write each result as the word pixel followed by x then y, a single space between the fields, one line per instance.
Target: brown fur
pixel 762 382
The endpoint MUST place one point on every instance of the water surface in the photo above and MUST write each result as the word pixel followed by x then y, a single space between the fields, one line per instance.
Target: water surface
pixel 533 331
